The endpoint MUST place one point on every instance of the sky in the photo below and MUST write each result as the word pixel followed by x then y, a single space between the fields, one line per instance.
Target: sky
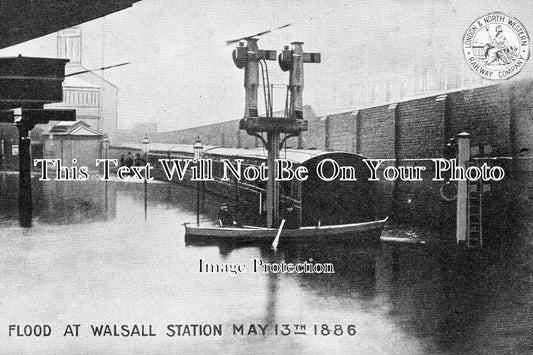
pixel 181 73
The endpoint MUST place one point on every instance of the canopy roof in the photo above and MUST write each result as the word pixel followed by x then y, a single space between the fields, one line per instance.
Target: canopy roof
pixel 29 19
pixel 72 128
pixel 295 155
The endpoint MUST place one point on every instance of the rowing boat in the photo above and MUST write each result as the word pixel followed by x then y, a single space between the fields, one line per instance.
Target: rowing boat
pixel 355 232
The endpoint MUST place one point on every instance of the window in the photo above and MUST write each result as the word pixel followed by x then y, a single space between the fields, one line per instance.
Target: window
pixel 403 90
pixel 69 45
pixel 421 76
pixel 424 79
pixel 388 92
pixel 453 77
pixel 79 97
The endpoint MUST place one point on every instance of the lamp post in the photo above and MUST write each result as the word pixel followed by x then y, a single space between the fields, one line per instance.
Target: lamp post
pixel 2 153
pixel 105 145
pixel 50 151
pixel 198 152
pixel 146 149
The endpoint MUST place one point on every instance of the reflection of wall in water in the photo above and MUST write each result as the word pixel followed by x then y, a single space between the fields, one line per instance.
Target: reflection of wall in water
pixel 409 284
pixel 456 301
pixel 77 202
pixel 354 265
pixel 508 206
pixel 9 196
pixel 522 206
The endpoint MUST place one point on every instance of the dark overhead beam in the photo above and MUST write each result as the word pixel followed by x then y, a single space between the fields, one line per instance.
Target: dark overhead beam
pixel 23 20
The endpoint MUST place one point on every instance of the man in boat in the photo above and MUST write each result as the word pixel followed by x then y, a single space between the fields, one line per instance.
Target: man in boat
pixel 291 218
pixel 225 218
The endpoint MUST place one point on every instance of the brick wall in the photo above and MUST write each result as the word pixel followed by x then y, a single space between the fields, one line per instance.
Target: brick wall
pixel 500 116
pixel 484 113
pixel 220 134
pixel 420 128
pixel 340 131
pixel 227 134
pixel 521 116
pixel 522 206
pixel 376 132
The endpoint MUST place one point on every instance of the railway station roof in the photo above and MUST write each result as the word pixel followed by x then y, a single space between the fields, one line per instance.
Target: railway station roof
pixel 294 155
pixel 25 20
pixel 72 128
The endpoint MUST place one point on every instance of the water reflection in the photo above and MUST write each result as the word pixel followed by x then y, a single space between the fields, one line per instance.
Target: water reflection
pixel 94 256
pixel 75 202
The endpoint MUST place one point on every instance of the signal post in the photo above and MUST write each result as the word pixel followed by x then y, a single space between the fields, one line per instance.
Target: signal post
pixel 290 60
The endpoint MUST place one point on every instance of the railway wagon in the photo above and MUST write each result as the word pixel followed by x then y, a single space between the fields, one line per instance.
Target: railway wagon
pixel 322 199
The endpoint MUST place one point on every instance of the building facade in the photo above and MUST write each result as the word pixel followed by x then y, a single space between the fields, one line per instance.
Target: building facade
pixel 93 97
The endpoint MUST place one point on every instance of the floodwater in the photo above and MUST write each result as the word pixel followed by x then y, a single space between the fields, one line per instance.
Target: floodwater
pixel 107 253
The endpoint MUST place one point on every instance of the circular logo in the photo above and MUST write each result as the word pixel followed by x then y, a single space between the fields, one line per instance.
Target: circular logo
pixel 496 46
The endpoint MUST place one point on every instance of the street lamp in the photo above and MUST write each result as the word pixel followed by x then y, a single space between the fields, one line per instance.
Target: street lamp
pixel 146 147
pixel 198 152
pixel 198 148
pixel 105 145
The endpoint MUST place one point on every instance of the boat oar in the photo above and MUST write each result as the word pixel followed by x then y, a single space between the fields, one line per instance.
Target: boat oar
pixel 276 241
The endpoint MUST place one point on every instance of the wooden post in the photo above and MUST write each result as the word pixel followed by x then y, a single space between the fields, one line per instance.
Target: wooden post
pixel 272 191
pixel 25 194
pixel 463 155
pixel 197 203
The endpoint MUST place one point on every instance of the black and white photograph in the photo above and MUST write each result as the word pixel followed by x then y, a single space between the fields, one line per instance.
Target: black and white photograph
pixel 266 177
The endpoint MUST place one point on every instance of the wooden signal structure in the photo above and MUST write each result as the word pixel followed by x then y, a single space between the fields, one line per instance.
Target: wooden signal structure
pixel 293 61
pixel 248 58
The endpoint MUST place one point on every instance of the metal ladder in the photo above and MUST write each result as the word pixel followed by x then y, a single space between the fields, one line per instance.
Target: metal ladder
pixel 267 89
pixel 475 216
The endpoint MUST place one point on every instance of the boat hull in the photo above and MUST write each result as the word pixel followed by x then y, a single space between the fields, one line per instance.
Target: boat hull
pixel 355 232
